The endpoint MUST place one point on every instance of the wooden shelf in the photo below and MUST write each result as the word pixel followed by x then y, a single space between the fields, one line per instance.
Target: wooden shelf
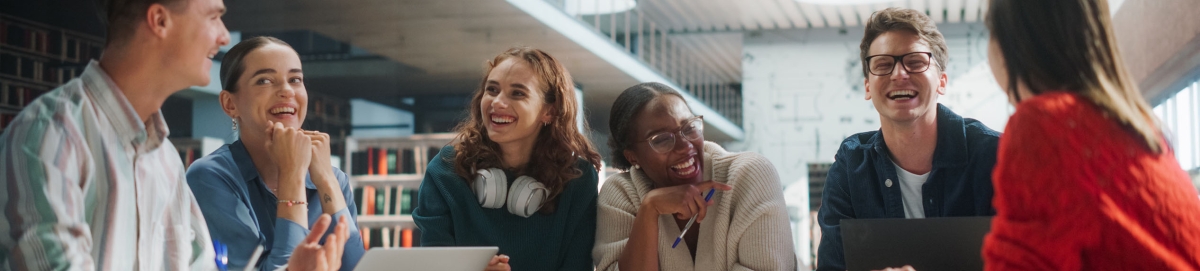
pixel 407 180
pixel 377 221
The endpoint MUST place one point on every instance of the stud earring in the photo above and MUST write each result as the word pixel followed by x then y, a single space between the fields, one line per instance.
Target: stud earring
pixel 235 125
pixel 635 166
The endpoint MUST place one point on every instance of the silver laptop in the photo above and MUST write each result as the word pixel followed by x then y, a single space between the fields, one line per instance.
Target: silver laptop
pixel 427 258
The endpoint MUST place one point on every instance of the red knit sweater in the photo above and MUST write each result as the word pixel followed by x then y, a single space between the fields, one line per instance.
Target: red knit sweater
pixel 1076 191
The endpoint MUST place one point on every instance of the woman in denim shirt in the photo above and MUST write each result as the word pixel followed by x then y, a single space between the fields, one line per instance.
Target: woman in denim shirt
pixel 276 181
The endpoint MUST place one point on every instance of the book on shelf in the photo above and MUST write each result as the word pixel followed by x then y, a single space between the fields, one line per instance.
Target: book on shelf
pixel 368 204
pixel 390 237
pixel 408 157
pixel 381 200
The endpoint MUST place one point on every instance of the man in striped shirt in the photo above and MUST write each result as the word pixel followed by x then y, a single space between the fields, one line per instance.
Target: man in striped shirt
pixel 90 180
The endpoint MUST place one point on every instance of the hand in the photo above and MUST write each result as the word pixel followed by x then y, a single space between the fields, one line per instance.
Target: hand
pixel 289 148
pixel 310 255
pixel 682 200
pixel 498 263
pixel 905 268
pixel 320 165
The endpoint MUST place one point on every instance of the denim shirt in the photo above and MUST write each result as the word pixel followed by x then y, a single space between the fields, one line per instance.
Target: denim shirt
pixel 960 183
pixel 241 210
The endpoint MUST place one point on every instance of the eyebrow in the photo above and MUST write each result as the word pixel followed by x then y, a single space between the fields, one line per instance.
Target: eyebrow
pixel 295 71
pixel 659 130
pixel 262 71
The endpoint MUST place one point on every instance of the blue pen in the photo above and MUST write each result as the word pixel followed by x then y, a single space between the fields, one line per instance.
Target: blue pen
pixel 222 255
pixel 693 220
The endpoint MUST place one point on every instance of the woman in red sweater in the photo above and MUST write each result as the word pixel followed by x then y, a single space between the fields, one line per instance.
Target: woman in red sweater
pixel 1084 178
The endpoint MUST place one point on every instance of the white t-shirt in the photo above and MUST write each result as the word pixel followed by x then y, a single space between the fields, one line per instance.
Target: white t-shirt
pixel 910 191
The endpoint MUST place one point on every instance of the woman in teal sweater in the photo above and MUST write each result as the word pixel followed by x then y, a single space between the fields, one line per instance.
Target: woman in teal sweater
pixel 520 175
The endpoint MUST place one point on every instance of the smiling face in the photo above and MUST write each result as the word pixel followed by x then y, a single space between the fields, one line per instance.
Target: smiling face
pixel 271 88
pixel 683 164
pixel 902 96
pixel 513 105
pixel 196 36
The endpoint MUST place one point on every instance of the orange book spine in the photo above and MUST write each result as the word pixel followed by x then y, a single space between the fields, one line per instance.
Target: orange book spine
pixel 406 238
pixel 366 235
pixel 369 200
pixel 382 165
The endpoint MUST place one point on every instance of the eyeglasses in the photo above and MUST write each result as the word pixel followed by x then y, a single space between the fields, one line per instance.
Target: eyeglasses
pixel 692 129
pixel 915 62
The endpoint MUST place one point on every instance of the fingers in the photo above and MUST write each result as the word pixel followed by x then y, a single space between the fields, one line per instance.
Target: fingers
pixel 706 185
pixel 333 252
pixel 701 207
pixel 495 260
pixel 318 229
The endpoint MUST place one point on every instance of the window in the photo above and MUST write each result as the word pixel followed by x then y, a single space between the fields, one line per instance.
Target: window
pixel 1180 118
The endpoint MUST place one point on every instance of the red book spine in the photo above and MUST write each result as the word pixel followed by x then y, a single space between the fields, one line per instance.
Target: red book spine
pixel 370 161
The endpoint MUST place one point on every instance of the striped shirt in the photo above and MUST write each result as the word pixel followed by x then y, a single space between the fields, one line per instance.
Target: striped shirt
pixel 88 186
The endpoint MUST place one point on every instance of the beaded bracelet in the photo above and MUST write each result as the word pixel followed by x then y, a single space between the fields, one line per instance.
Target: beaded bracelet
pixel 292 202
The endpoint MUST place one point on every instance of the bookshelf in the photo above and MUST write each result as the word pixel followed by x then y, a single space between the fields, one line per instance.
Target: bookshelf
pixel 385 174
pixel 330 115
pixel 36 58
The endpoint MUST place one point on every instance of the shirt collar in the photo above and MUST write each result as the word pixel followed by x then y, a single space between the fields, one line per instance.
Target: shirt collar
pixel 951 147
pixel 147 136
pixel 241 157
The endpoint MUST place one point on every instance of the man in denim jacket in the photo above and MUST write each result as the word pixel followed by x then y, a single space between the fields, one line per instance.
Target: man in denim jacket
pixel 925 160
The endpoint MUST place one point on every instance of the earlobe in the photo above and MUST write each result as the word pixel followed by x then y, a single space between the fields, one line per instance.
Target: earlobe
pixel 631 157
pixel 227 105
pixel 867 88
pixel 942 82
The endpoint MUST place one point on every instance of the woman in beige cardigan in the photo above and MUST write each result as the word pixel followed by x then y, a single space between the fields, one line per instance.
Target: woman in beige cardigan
pixel 670 171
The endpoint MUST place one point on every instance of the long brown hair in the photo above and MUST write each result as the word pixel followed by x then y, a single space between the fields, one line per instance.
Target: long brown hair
pixel 1068 45
pixel 560 144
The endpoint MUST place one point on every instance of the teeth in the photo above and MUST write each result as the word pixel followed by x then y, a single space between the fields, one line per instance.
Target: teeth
pixel 685 164
pixel 282 110
pixel 902 93
pixel 501 119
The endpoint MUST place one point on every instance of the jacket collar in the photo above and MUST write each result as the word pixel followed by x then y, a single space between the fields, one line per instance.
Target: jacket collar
pixel 951 150
pixel 245 165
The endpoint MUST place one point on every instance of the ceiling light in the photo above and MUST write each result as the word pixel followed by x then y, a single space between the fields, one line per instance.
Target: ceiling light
pixel 844 2
pixel 597 7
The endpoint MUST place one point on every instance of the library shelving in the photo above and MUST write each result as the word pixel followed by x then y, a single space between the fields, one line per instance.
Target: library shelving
pixel 36 58
pixel 385 174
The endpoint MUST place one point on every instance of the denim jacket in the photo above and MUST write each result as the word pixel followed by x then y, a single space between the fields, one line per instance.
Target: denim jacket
pixel 857 186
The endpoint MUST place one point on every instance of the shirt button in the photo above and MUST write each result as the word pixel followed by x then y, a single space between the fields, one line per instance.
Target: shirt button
pixel 888 183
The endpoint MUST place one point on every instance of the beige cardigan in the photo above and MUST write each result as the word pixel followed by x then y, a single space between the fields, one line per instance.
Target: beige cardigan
pixel 746 229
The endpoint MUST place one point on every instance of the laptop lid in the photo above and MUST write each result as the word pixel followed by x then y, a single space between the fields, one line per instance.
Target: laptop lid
pixel 427 258
pixel 928 244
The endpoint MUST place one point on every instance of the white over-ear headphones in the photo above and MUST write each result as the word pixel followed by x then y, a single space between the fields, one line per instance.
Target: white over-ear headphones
pixel 524 198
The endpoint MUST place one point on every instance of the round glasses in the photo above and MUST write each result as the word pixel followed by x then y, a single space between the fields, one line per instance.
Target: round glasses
pixel 915 62
pixel 692 129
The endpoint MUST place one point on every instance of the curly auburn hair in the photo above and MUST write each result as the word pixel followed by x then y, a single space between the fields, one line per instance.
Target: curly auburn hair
pixel 560 144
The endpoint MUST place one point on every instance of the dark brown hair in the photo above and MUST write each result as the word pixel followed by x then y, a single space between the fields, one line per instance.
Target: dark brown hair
pixel 624 114
pixel 560 144
pixel 1068 45
pixel 231 64
pixel 122 16
pixel 892 19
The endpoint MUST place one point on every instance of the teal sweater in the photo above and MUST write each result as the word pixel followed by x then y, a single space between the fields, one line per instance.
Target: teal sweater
pixel 448 214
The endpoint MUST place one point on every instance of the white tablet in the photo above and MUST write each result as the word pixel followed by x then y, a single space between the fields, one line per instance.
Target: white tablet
pixel 427 258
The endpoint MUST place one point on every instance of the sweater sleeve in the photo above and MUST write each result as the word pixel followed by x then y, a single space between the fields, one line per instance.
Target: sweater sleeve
pixel 578 254
pixel 835 206
pixel 1037 193
pixel 766 242
pixel 432 213
pixel 616 208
